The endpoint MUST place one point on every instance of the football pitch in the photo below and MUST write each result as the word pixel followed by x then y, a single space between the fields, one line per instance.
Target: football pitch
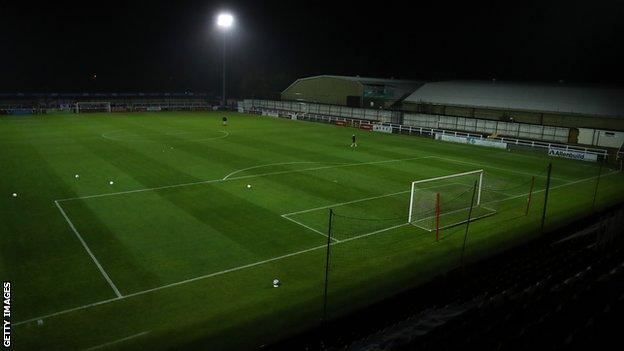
pixel 160 230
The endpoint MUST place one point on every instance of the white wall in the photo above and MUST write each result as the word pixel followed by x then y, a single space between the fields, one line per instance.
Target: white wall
pixel 470 125
pixel 598 137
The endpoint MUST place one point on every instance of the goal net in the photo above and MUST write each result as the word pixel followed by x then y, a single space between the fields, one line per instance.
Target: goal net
pixel 443 202
pixel 96 106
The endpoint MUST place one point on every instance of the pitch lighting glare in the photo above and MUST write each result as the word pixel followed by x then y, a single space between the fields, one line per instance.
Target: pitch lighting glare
pixel 225 20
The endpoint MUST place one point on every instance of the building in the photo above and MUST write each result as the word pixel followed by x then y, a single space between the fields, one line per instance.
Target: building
pixel 350 91
pixel 554 112
pixel 554 105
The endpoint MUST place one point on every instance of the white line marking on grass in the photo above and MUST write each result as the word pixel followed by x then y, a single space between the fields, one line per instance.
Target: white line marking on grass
pixel 238 178
pixel 140 138
pixel 84 244
pixel 553 187
pixel 312 229
pixel 277 164
pixel 455 211
pixel 234 269
pixel 345 203
pixel 423 228
pixel 373 233
pixel 116 341
pixel 498 168
pixel 68 311
pixel 140 190
pixel 365 199
pixel 259 262
pixel 225 135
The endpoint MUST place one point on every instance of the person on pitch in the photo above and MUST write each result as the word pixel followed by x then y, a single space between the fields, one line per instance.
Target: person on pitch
pixel 353 143
pixel 224 121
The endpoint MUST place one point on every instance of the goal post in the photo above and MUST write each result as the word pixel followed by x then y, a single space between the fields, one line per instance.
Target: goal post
pixel 92 106
pixel 443 202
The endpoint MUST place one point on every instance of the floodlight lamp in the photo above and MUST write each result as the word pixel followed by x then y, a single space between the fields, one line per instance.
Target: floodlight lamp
pixel 225 20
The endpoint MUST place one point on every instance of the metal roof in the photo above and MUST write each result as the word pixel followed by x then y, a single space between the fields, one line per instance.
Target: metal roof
pixel 406 86
pixel 373 81
pixel 529 97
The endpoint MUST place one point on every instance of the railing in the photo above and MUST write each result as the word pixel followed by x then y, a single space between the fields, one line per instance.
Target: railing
pixel 430 132
pixel 528 131
pixel 116 106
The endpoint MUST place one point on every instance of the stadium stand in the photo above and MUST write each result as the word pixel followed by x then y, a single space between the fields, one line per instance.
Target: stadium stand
pixel 564 290
pixel 20 104
pixel 516 135
pixel 550 294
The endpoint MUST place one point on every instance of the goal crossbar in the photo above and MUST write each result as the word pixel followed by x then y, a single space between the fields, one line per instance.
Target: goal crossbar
pixel 478 172
pixel 92 105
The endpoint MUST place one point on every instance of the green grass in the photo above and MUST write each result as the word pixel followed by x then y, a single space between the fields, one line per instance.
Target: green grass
pixel 192 250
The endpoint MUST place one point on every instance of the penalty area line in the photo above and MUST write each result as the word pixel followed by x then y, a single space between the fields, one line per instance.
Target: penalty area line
pixel 210 275
pixel 485 166
pixel 308 227
pixel 86 247
pixel 229 178
pixel 277 164
pixel 103 302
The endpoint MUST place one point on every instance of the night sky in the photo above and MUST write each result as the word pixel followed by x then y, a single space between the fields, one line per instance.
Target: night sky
pixel 172 46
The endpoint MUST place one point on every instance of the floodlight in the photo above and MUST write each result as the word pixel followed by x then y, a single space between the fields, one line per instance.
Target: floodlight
pixel 225 20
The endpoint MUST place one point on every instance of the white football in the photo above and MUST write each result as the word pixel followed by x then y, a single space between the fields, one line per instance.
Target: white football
pixel 14 194
pixel 77 176
pixel 111 182
pixel 248 186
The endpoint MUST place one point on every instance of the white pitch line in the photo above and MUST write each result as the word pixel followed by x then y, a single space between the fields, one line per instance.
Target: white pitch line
pixel 238 178
pixel 140 190
pixel 423 228
pixel 492 167
pixel 137 137
pixel 345 203
pixel 84 244
pixel 234 269
pixel 225 135
pixel 277 164
pixel 553 187
pixel 258 263
pixel 373 233
pixel 308 227
pixel 116 341
pixel 102 302
pixel 364 199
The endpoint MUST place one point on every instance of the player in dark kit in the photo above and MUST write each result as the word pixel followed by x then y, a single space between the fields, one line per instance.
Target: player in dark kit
pixel 225 121
pixel 353 143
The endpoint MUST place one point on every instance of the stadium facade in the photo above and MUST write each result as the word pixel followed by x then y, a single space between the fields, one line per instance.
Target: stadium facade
pixel 580 114
pixel 350 91
pixel 556 105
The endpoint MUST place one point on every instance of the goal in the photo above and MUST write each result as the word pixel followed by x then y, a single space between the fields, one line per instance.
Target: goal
pixel 95 106
pixel 444 202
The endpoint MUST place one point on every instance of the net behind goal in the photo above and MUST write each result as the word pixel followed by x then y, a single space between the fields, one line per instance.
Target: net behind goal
pixel 443 202
pixel 96 106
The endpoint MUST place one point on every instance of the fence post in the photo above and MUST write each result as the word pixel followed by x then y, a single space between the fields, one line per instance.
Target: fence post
pixel 437 216
pixel 526 212
pixel 546 197
pixel 474 190
pixel 597 183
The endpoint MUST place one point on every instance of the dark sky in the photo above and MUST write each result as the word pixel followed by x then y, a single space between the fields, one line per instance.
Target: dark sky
pixel 172 46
